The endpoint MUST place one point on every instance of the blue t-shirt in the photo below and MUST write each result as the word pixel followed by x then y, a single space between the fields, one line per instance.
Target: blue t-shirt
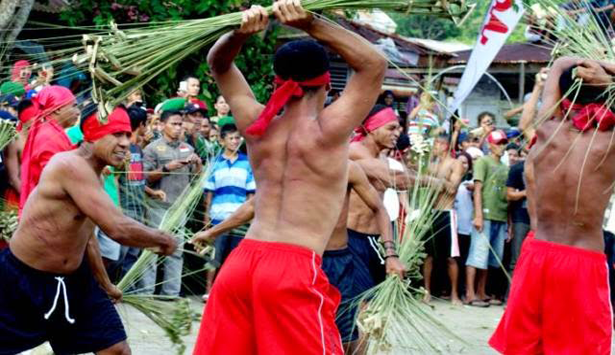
pixel 230 183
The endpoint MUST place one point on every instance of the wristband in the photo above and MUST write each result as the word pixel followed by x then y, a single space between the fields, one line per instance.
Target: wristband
pixel 165 169
pixel 391 256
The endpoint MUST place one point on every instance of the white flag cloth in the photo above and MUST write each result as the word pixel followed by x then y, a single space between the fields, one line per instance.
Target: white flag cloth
pixel 501 19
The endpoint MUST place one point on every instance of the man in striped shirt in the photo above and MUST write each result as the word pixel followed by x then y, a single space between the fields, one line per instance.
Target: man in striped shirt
pixel 229 185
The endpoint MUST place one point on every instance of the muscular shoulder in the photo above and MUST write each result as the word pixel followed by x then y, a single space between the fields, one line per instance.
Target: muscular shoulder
pixel 358 151
pixel 71 164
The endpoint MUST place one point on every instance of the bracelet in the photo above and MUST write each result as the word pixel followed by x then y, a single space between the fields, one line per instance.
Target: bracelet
pixel 165 169
pixel 391 256
pixel 388 242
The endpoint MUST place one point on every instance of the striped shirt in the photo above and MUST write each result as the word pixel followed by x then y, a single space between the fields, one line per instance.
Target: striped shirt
pixel 230 183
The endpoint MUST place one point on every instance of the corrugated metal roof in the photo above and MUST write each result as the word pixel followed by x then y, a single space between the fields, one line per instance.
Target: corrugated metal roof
pixel 373 35
pixel 511 54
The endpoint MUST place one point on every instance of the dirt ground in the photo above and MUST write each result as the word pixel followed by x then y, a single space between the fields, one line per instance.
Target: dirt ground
pixel 475 325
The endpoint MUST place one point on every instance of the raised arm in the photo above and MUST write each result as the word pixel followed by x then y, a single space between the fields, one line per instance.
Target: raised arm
pixel 86 191
pixel 552 93
pixel 526 123
pixel 360 184
pixel 243 215
pixel 340 118
pixel 229 79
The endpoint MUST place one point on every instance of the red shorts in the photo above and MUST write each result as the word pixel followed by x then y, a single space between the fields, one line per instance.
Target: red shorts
pixel 270 298
pixel 559 302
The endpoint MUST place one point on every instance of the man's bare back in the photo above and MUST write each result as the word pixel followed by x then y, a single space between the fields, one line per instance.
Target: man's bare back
pixel 300 162
pixel 562 215
pixel 562 159
pixel 301 182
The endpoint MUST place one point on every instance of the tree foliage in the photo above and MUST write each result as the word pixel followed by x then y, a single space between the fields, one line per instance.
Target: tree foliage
pixel 440 29
pixel 258 68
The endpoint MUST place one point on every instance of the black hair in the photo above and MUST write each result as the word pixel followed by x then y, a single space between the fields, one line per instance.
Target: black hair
pixel 168 113
pixel 138 117
pixel 227 129
pixel 444 137
pixel 300 60
pixel 403 142
pixel 88 110
pixel 483 115
pixel 468 157
pixel 586 94
pixel 23 105
pixel 513 146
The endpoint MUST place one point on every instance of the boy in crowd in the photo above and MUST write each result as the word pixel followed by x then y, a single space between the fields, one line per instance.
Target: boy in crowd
pixel 230 184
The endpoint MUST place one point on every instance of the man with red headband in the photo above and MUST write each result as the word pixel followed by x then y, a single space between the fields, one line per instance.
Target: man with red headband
pixel 271 296
pixel 379 131
pixel 559 298
pixel 52 111
pixel 49 292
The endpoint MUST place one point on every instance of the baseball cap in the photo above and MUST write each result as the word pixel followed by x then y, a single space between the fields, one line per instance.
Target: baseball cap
pixel 9 100
pixel 192 107
pixel 225 120
pixel 5 115
pixel 497 137
pixel 474 152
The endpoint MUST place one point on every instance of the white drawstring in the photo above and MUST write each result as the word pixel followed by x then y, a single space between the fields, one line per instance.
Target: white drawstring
pixel 374 244
pixel 61 286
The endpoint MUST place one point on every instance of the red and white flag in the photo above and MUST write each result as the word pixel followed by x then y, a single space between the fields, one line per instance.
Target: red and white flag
pixel 501 19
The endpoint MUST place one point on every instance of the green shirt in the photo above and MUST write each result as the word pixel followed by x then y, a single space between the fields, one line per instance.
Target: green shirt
pixel 109 182
pixel 493 175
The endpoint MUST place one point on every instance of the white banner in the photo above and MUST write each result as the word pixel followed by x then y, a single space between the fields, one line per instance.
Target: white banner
pixel 501 19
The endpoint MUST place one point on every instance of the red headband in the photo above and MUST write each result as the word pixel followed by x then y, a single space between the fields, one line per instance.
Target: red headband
pixel 590 115
pixel 28 115
pixel 374 122
pixel 285 91
pixel 118 121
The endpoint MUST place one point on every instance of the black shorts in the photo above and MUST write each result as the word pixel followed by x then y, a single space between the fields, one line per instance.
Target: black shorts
pixel 351 277
pixel 28 317
pixel 224 245
pixel 439 240
pixel 366 247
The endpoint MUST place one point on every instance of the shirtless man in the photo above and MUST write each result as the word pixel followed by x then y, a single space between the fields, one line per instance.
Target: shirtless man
pixel 378 132
pixel 443 240
pixel 344 270
pixel 49 292
pixel 559 298
pixel 271 295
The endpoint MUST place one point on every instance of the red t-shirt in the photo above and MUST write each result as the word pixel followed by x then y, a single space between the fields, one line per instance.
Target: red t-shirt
pixel 45 139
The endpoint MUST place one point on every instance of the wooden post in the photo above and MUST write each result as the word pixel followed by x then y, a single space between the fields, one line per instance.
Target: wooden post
pixel 521 82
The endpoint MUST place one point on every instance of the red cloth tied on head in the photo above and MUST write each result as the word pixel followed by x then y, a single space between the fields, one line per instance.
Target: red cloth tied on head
pixel 374 122
pixel 28 115
pixel 49 99
pixel 286 90
pixel 17 67
pixel 590 115
pixel 117 122
pixel 53 97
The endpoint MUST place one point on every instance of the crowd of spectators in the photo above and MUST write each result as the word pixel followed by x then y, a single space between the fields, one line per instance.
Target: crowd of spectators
pixel 171 143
